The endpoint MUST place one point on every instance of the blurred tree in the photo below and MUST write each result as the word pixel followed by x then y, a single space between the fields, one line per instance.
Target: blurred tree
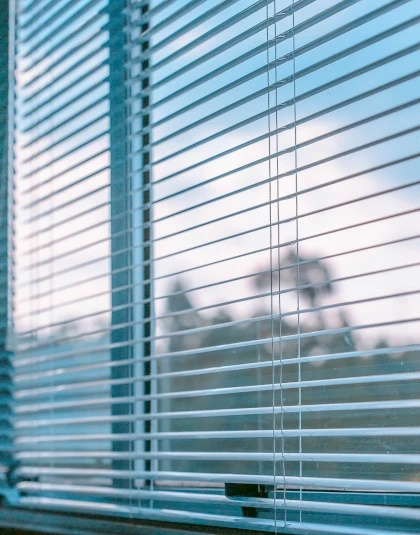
pixel 333 335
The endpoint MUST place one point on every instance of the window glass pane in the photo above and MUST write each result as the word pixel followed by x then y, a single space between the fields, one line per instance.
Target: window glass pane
pixel 215 309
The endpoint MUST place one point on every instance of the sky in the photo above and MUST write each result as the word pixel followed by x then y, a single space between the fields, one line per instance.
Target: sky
pixel 60 304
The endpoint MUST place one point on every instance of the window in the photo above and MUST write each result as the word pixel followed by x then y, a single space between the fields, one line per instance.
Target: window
pixel 215 311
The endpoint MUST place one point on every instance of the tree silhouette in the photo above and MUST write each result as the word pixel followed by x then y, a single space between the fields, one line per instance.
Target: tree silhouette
pixel 332 335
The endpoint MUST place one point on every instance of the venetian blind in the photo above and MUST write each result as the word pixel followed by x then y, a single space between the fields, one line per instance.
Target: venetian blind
pixel 216 306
